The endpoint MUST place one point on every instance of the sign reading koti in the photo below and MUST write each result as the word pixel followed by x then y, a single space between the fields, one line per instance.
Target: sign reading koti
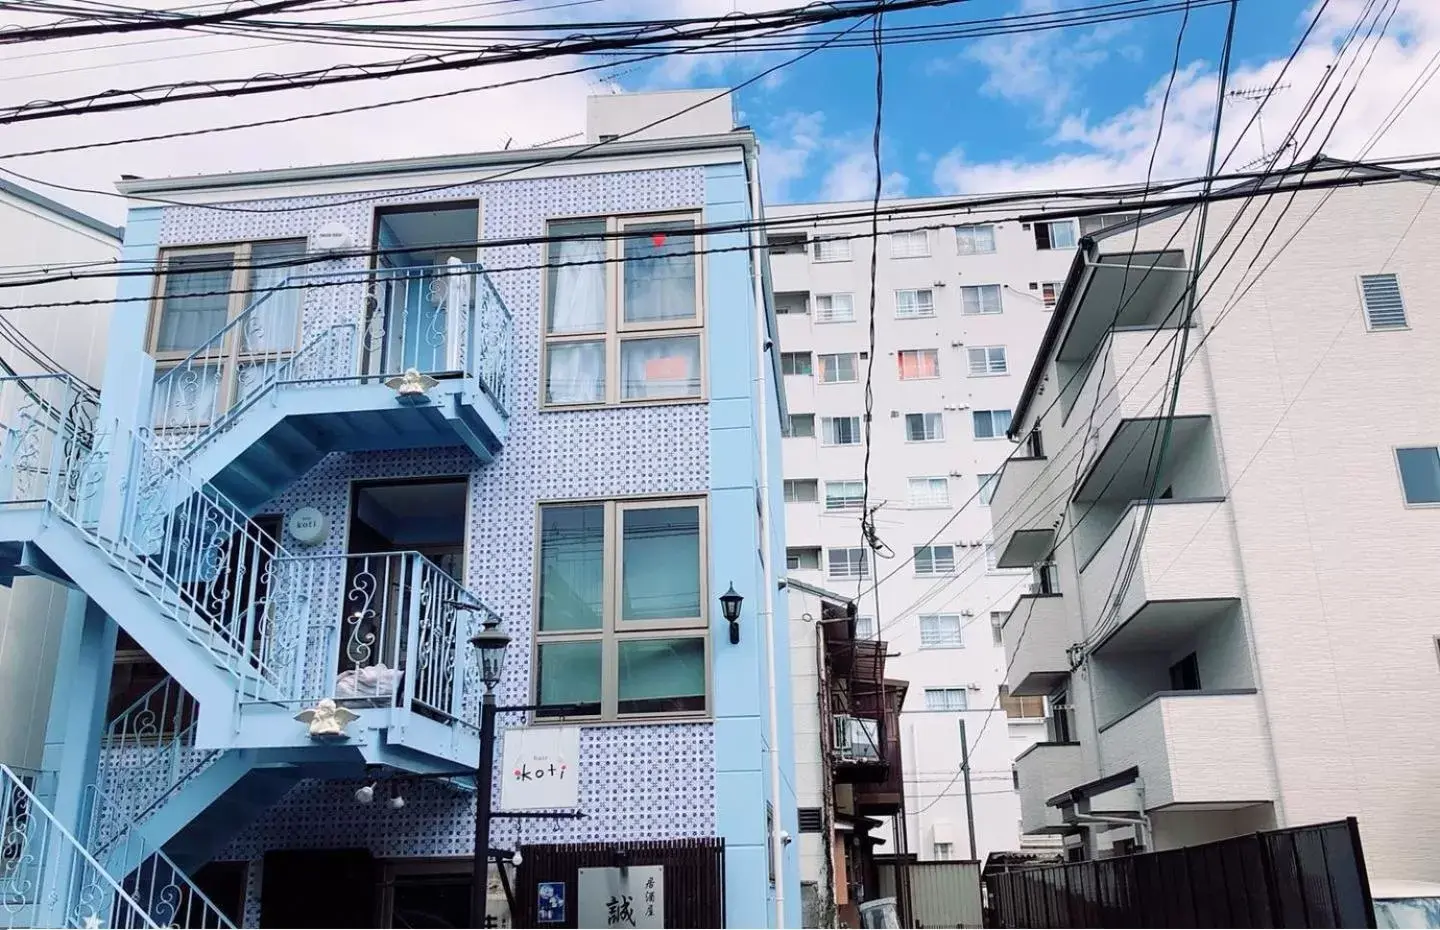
pixel 540 769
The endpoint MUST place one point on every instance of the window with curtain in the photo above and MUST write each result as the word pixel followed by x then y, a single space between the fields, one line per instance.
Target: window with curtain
pixel 924 427
pixel 195 322
pixel 975 239
pixel 978 299
pixel 840 431
pixel 623 311
pixel 941 630
pixel 622 617
pixel 946 699
pixel 991 424
pixel 795 363
pixel 914 303
pixel 839 368
pixel 801 426
pixel 929 492
pixel 834 308
pixel 844 495
pixel 1050 293
pixel 832 250
pixel 916 364
pixel 987 487
pixel 910 244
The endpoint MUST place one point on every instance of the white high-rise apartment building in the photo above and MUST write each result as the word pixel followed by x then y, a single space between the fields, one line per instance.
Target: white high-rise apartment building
pixel 1244 630
pixel 961 302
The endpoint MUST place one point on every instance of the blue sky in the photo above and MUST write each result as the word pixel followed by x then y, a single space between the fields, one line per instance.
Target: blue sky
pixel 1072 107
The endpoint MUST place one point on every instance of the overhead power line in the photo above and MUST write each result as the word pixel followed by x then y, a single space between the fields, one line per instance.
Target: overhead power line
pixel 149 20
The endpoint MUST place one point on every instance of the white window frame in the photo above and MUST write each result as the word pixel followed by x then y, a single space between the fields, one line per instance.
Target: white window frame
pixel 848 494
pixel 792 487
pixel 1054 287
pixel 910 236
pixel 793 555
pixel 994 434
pixel 997 626
pixel 827 431
pixel 865 628
pixel 820 244
pixel 1053 225
pixel 851 562
pixel 918 355
pixel 820 363
pixel 925 424
pixel 614 630
pixel 966 241
pixel 982 306
pixel 938 699
pixel 986 484
pixel 928 496
pixel 808 356
pixel 933 560
pixel 803 417
pixel 918 309
pixel 1368 311
pixel 834 308
pixel 616 331
pixel 1400 475
pixel 938 637
pixel 993 361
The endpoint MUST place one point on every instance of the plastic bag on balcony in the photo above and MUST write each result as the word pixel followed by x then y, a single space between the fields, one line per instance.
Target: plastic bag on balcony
pixel 368 681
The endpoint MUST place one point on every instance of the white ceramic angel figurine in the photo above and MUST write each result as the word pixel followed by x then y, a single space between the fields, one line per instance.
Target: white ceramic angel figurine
pixel 327 719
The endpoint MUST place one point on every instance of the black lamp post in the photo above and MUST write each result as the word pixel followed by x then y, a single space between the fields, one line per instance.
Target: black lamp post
pixel 730 608
pixel 490 642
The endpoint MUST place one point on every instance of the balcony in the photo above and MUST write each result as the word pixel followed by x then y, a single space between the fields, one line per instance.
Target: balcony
pixel 1187 574
pixel 1127 387
pixel 1045 770
pixel 1205 749
pixel 1024 521
pixel 1037 636
pixel 317 364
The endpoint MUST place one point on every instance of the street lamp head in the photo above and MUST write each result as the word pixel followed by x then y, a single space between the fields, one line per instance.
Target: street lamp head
pixel 491 642
pixel 730 609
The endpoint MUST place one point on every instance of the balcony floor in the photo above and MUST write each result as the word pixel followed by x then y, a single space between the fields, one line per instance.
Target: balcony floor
pixel 281 436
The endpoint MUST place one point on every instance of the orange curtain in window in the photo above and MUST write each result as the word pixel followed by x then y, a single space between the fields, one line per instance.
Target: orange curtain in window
pixel 919 365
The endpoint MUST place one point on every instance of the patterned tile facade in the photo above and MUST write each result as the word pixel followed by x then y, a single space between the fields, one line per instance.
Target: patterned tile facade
pixel 639 781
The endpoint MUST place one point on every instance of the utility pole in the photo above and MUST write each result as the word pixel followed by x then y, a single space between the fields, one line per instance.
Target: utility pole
pixel 969 798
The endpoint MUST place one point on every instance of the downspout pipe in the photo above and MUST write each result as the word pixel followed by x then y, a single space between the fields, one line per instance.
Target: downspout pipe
pixel 767 614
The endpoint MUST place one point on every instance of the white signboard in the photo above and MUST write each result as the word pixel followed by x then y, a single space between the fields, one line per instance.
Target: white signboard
pixel 540 769
pixel 633 897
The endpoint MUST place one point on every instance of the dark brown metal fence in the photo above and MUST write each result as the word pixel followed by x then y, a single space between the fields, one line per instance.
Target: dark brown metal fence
pixel 1312 876
pixel 694 876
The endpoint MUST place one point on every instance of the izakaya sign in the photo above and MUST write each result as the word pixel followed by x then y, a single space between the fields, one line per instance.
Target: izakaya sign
pixel 540 769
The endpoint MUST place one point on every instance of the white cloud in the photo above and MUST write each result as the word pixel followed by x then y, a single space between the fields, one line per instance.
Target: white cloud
pixel 797 144
pixel 1117 148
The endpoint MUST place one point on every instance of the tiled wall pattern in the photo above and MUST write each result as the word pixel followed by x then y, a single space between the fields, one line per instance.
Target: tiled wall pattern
pixel 638 782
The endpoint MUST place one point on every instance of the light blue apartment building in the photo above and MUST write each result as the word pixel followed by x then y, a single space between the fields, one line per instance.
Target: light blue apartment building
pixel 359 412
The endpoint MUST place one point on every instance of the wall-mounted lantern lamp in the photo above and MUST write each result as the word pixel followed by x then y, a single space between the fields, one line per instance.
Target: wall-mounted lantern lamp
pixel 730 607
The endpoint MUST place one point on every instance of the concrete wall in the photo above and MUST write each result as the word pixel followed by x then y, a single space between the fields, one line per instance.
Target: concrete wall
pixel 36 241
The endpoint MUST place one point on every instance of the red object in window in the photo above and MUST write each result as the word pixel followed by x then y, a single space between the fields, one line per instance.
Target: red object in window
pixel 657 239
pixel 667 368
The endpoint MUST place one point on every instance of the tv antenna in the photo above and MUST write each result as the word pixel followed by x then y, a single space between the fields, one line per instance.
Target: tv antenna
pixel 1258 96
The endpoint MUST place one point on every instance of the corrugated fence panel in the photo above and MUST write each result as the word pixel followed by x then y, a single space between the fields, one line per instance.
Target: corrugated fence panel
pixel 1312 876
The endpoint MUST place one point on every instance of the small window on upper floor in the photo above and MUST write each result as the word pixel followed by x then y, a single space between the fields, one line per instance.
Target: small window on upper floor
pixel 929 492
pixel 840 368
pixel 787 244
pixel 865 628
pixel 795 363
pixel 987 487
pixel 914 303
pixel 946 699
pixel 852 562
pixel 934 560
pixel 802 426
pixel 1384 307
pixel 918 364
pixel 844 495
pixel 832 250
pixel 801 490
pixel 1021 708
pixel 1090 225
pixel 623 297
pixel 980 299
pixel 987 360
pixel 975 239
pixel 911 244
pixel 792 303
pixel 941 631
pixel 802 558
pixel 1056 234
pixel 1050 293
pixel 997 630
pixel 1419 474
pixel 834 308
pixel 924 427
pixel 840 431
pixel 991 424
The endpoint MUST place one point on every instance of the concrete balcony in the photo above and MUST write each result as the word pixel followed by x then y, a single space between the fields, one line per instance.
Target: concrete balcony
pixel 1187 574
pixel 1024 517
pixel 1046 770
pixel 1195 748
pixel 1037 636
pixel 1128 389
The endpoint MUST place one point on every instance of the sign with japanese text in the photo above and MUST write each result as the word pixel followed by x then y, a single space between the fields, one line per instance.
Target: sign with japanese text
pixel 540 769
pixel 614 897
